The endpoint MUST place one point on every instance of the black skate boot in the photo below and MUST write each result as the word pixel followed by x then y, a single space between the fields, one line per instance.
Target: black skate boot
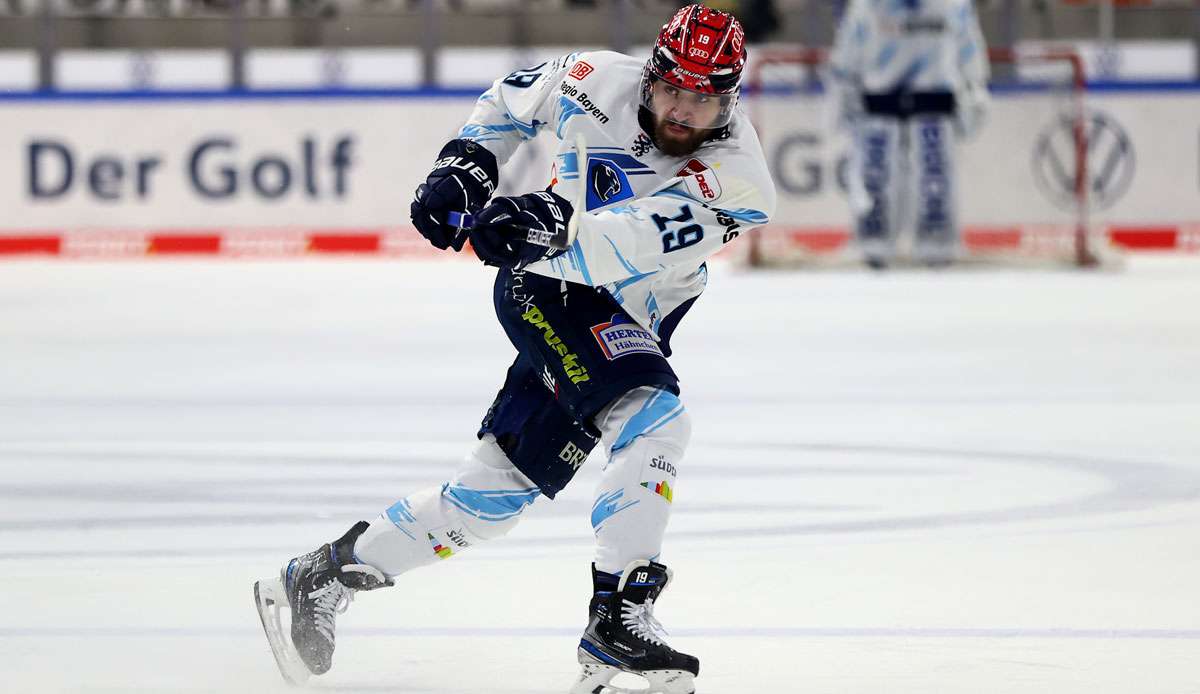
pixel 316 586
pixel 624 636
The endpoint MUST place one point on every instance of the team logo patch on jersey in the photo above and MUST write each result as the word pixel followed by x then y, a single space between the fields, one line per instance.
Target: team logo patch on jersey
pixel 607 183
pixel 580 70
pixel 642 145
pixel 620 337
pixel 701 180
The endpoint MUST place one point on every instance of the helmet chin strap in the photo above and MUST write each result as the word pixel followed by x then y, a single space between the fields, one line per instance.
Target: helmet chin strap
pixel 646 120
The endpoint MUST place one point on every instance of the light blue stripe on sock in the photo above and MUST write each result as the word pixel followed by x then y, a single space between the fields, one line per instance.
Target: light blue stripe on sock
pixel 399 514
pixel 663 407
pixel 609 505
pixel 490 505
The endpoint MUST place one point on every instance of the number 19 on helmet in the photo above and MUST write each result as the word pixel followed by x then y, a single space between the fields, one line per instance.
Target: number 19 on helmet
pixel 695 71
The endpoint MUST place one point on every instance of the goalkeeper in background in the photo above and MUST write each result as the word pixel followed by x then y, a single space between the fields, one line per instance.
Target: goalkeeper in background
pixel 910 80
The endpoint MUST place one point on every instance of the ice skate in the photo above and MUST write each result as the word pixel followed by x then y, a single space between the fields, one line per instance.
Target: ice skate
pixel 312 589
pixel 623 636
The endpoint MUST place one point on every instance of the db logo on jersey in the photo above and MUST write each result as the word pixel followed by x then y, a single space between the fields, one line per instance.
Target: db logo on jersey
pixel 580 70
pixel 701 180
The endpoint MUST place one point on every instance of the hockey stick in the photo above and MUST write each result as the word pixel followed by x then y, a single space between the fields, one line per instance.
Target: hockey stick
pixel 560 240
pixel 580 202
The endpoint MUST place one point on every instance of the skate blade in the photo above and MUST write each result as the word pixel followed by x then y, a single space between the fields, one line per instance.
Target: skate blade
pixel 270 600
pixel 597 677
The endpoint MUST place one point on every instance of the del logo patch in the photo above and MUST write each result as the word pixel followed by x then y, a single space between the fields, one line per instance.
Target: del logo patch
pixel 580 70
pixel 621 336
pixel 700 179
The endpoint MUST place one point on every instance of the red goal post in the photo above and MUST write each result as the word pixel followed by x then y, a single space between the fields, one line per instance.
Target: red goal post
pixel 1058 74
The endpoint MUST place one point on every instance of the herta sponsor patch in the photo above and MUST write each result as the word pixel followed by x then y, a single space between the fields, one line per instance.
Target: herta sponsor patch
pixel 621 336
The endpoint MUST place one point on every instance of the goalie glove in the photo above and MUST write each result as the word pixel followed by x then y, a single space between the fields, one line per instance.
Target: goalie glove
pixel 971 106
pixel 462 180
pixel 502 229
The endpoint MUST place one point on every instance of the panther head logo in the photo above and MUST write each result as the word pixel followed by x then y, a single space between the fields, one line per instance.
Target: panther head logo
pixel 605 182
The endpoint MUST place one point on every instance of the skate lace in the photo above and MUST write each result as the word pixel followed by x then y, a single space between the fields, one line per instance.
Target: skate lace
pixel 330 601
pixel 639 619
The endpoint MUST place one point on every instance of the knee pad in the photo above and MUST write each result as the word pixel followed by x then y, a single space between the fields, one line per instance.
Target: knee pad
pixel 483 501
pixel 645 412
pixel 647 432
pixel 489 492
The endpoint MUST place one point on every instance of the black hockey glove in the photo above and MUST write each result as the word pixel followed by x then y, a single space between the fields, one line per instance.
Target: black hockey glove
pixel 462 180
pixel 501 229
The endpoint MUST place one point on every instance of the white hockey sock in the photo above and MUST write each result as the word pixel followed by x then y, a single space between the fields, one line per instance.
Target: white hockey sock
pixel 483 501
pixel 646 431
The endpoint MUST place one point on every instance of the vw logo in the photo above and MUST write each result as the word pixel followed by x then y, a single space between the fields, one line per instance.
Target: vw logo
pixel 1110 161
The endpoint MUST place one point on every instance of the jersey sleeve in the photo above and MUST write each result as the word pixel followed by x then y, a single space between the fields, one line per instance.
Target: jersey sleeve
pixel 684 222
pixel 517 107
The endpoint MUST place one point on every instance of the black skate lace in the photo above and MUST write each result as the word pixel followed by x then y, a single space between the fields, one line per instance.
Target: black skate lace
pixel 639 619
pixel 332 600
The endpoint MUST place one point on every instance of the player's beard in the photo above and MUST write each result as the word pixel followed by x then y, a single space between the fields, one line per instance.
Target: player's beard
pixel 677 144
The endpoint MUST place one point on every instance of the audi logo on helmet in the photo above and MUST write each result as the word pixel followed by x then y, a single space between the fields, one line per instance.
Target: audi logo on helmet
pixel 701 50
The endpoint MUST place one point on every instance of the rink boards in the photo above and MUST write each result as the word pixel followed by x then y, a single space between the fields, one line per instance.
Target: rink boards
pixel 282 173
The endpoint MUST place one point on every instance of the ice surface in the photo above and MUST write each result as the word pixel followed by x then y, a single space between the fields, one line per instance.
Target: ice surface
pixel 903 483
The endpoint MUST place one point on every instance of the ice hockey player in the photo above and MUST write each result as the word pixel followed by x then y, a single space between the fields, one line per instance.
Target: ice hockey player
pixel 669 170
pixel 911 78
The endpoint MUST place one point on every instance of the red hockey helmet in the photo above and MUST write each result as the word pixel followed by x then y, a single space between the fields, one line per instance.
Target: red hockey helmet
pixel 695 70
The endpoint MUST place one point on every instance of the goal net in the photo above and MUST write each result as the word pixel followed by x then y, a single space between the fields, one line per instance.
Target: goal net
pixel 1022 191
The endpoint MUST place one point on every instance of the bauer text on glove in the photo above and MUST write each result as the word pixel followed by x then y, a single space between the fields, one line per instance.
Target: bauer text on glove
pixel 463 178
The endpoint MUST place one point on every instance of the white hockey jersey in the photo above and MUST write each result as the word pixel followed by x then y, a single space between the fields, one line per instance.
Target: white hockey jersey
pixel 652 219
pixel 912 45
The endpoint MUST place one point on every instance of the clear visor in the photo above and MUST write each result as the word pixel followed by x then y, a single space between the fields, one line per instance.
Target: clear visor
pixel 686 107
